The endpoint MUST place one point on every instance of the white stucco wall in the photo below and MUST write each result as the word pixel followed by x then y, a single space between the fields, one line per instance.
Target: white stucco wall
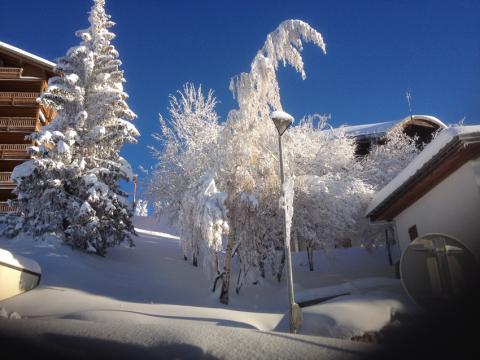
pixel 452 208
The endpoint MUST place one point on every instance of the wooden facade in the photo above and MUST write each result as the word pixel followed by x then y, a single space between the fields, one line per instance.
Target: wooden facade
pixel 23 78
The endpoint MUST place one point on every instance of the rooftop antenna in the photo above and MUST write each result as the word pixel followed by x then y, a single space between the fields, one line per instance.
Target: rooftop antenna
pixel 408 95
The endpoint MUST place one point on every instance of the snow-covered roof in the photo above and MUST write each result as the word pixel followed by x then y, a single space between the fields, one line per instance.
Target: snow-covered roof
pixel 25 54
pixel 384 127
pixel 442 141
pixel 19 262
pixel 369 129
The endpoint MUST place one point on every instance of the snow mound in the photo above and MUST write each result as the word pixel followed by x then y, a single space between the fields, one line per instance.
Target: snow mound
pixel 352 315
pixel 19 262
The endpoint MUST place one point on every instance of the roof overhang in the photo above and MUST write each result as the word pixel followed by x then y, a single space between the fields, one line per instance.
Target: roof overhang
pixel 28 57
pixel 379 130
pixel 393 199
pixel 422 120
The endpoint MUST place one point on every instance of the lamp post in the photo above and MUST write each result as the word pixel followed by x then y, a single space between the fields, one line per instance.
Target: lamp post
pixel 134 203
pixel 282 121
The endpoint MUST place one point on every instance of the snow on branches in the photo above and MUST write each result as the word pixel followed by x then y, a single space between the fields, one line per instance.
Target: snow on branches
pixel 189 141
pixel 203 224
pixel 240 155
pixel 386 160
pixel 72 187
pixel 223 180
pixel 141 208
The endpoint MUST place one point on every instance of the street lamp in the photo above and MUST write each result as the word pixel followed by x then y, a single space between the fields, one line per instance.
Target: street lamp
pixel 282 121
pixel 134 203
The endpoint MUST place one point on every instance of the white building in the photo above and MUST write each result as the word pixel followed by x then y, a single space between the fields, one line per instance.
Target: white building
pixel 438 192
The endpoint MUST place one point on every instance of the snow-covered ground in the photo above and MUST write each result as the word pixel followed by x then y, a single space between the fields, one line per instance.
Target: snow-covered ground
pixel 150 301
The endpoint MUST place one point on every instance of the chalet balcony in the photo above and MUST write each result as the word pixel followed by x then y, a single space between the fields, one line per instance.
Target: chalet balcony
pixel 10 73
pixel 14 151
pixel 6 181
pixel 5 208
pixel 18 98
pixel 18 124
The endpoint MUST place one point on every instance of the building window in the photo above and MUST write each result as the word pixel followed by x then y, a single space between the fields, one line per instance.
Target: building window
pixel 413 232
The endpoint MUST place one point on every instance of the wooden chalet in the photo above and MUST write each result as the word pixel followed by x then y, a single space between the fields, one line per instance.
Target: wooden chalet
pixel 23 78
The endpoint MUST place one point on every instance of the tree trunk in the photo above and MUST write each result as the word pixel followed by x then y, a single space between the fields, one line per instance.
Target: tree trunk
pixel 195 254
pixel 282 265
pixel 194 259
pixel 239 280
pixel 227 268
pixel 261 265
pixel 310 258
pixel 215 282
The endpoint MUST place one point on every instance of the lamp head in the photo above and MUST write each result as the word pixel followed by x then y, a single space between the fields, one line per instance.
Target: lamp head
pixel 282 121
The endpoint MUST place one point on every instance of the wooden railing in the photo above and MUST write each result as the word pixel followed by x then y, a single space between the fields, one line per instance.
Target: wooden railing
pixel 18 124
pixel 18 98
pixel 10 73
pixel 6 181
pixel 5 176
pixel 14 151
pixel 5 208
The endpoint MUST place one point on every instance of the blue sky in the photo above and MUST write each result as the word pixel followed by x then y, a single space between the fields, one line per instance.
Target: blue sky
pixel 375 51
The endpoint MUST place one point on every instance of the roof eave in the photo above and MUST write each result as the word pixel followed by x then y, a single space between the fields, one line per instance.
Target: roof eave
pixel 458 143
pixel 37 60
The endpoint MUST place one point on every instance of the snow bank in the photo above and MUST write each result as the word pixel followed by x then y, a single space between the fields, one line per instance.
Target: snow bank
pixel 19 262
pixel 352 315
pixel 149 295
pixel 350 287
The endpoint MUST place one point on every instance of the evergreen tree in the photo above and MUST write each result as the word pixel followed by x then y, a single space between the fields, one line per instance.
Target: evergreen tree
pixel 70 187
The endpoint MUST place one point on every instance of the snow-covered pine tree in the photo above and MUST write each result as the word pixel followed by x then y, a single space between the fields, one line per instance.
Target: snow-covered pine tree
pixel 71 185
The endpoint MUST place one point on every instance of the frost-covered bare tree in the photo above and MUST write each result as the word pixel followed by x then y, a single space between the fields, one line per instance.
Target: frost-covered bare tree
pixel 71 186
pixel 188 140
pixel 330 192
pixel 242 185
pixel 249 148
pixel 327 208
pixel 241 158
pixel 386 160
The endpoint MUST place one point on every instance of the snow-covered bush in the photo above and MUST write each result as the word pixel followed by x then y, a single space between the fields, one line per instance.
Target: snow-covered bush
pixel 203 224
pixel 141 209
pixel 71 186
pixel 327 208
